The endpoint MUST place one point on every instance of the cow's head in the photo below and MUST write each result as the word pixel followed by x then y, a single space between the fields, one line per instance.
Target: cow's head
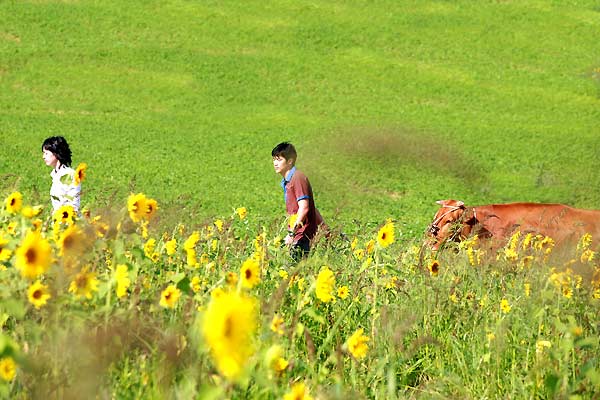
pixel 446 224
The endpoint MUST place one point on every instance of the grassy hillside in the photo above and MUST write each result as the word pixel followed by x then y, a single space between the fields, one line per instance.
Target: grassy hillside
pixel 392 105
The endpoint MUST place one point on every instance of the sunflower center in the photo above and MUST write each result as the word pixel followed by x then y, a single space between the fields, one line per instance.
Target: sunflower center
pixel 65 215
pixel 248 273
pixel 37 294
pixel 81 281
pixel 228 327
pixel 30 256
pixel 383 236
pixel 68 241
pixel 13 201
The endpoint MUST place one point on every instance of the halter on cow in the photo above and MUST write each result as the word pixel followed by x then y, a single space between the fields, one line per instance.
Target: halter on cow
pixel 455 222
pixel 452 222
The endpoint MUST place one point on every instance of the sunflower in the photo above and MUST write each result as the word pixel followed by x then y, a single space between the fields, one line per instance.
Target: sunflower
pixel 249 273
pixel 149 247
pixel 241 212
pixel 8 369
pixel 144 226
pixel 30 212
pixel 169 296
pixel 5 253
pixel 228 327
pixel 14 202
pixel 370 246
pixel 80 173
pixel 357 344
pixel 434 267
pixel 191 259
pixel 299 392
pixel 195 284
pixel 38 294
pixel 136 206
pixel 231 278
pixel 34 256
pixel 385 236
pixel 64 215
pixel 36 224
pixel 219 225
pixel 277 324
pixel 325 283
pixel 70 242
pixel 208 231
pixel 191 241
pixel 292 221
pixel 151 207
pixel 84 284
pixel 122 279
pixel 171 247
pixel 359 254
pixel 274 360
pixel 300 282
pixel 343 292
pixel 505 306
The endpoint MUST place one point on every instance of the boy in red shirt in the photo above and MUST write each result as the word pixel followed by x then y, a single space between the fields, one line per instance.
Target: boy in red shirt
pixel 299 200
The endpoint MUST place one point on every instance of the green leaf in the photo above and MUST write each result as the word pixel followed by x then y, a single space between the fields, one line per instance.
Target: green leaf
pixel 7 346
pixel 3 318
pixel 177 277
pixel 593 375
pixel 103 289
pixel 314 316
pixel 13 307
pixel 586 343
pixel 551 383
pixel 184 285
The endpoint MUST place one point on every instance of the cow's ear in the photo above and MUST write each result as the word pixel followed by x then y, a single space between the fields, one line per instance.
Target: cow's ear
pixel 455 203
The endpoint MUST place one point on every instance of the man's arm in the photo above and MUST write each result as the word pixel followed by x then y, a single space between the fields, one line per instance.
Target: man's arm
pixel 303 207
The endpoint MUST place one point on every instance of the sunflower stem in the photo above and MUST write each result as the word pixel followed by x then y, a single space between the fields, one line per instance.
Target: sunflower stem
pixel 376 284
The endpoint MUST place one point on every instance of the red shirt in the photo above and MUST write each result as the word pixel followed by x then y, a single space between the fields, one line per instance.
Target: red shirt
pixel 296 187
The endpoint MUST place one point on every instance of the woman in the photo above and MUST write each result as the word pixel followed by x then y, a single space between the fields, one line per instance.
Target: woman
pixel 64 191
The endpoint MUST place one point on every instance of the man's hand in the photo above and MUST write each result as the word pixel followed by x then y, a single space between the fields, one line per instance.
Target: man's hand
pixel 289 240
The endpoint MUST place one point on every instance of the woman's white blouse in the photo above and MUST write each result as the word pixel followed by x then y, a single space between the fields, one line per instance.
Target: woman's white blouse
pixel 63 190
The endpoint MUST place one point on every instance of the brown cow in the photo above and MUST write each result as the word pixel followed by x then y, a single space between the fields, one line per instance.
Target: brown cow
pixel 565 225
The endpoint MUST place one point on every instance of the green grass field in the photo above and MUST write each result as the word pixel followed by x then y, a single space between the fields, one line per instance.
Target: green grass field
pixel 392 105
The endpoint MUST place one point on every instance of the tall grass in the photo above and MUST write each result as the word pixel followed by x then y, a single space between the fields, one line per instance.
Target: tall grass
pixel 464 325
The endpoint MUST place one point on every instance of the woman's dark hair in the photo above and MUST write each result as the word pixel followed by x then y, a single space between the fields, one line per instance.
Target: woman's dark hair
pixel 60 148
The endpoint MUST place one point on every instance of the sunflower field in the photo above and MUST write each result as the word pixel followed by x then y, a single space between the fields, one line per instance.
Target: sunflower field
pixel 111 306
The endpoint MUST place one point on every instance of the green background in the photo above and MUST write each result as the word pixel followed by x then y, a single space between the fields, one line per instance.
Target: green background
pixel 392 105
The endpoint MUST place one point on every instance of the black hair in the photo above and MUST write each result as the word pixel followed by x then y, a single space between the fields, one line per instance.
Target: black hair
pixel 60 148
pixel 285 150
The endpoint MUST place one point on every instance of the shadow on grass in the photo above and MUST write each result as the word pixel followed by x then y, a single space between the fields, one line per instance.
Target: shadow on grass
pixel 398 145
